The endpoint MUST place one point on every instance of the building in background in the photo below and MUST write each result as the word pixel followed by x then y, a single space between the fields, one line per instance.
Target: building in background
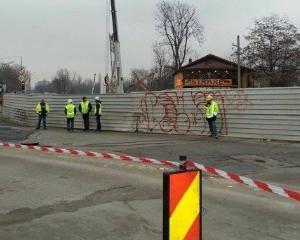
pixel 211 72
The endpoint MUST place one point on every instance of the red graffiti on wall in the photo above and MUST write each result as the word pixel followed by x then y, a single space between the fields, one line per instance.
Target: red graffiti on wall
pixel 238 99
pixel 182 112
pixel 199 101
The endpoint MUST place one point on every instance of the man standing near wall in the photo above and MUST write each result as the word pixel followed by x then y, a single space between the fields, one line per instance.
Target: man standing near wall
pixel 85 107
pixel 70 111
pixel 42 109
pixel 211 110
pixel 98 112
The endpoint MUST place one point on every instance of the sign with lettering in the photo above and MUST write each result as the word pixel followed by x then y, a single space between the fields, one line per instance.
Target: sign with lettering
pixel 178 84
pixel 208 82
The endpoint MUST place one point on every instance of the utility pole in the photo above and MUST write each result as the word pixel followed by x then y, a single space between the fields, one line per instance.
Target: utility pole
pixel 239 62
pixel 99 79
pixel 93 88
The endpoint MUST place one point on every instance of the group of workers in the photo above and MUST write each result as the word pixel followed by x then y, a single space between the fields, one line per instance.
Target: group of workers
pixel 85 108
pixel 211 110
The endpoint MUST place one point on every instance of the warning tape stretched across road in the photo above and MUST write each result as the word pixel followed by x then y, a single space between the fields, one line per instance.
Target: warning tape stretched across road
pixel 285 192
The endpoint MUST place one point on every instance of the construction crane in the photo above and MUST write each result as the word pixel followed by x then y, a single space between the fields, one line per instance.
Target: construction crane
pixel 114 82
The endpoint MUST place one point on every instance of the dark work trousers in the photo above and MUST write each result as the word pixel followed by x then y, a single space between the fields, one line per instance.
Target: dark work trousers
pixel 42 118
pixel 98 123
pixel 86 121
pixel 212 125
pixel 70 124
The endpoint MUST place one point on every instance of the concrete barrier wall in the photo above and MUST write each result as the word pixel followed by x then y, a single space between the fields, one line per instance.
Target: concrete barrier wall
pixel 269 113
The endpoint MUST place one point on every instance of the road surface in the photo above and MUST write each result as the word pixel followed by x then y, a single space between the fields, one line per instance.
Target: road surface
pixel 52 196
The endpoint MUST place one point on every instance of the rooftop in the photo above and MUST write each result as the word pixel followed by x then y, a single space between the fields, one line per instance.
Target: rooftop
pixel 211 61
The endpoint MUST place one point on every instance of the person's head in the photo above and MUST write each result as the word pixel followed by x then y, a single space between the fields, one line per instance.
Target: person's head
pixel 70 101
pixel 209 98
pixel 43 101
pixel 84 99
pixel 97 99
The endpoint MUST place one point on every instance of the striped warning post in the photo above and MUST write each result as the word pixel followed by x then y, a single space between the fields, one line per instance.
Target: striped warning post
pixel 182 205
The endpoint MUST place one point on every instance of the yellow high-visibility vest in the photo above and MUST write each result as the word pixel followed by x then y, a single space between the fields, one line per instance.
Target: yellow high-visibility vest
pixel 100 109
pixel 212 110
pixel 38 108
pixel 70 110
pixel 85 107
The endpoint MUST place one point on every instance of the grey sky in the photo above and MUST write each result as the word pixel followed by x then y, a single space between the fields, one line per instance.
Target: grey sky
pixel 53 34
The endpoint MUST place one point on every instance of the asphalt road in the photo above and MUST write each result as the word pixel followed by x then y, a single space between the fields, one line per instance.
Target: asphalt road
pixel 46 196
pixel 50 196
pixel 12 133
pixel 276 162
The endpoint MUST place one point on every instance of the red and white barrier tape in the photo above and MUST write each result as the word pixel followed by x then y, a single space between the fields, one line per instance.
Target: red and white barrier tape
pixel 285 192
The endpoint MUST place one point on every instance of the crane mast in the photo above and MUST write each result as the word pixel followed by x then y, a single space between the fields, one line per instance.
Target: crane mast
pixel 117 84
pixel 114 21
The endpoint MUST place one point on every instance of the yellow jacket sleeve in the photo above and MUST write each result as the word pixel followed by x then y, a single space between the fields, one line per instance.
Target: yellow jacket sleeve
pixel 38 108
pixel 47 108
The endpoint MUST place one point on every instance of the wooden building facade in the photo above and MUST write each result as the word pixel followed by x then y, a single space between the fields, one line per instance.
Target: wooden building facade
pixel 211 72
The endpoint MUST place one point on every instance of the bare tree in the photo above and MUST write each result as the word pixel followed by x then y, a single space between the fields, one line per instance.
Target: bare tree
pixel 66 83
pixel 42 86
pixel 141 79
pixel 9 75
pixel 161 67
pixel 273 50
pixel 179 25
pixel 62 80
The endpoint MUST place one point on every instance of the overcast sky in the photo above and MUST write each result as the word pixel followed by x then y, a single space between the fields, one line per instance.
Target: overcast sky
pixel 53 34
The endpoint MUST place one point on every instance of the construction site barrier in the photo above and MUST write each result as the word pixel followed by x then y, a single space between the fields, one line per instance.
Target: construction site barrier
pixel 260 113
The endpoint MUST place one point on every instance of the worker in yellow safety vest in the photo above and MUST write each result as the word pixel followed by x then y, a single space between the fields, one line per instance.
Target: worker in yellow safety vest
pixel 42 109
pixel 98 112
pixel 85 107
pixel 70 111
pixel 211 110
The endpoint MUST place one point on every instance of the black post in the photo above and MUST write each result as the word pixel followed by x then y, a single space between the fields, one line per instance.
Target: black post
pixel 114 21
pixel 182 159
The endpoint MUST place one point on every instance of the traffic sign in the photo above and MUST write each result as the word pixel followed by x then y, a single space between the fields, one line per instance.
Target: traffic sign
pixel 22 71
pixel 21 78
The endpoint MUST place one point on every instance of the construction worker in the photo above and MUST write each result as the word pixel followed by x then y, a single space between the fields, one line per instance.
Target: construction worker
pixel 42 109
pixel 85 107
pixel 70 111
pixel 211 110
pixel 98 112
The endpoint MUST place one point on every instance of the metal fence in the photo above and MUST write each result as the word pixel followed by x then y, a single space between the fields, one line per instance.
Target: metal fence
pixel 268 113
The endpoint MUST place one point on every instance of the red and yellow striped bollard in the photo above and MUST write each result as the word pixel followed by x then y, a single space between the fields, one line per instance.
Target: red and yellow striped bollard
pixel 182 205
